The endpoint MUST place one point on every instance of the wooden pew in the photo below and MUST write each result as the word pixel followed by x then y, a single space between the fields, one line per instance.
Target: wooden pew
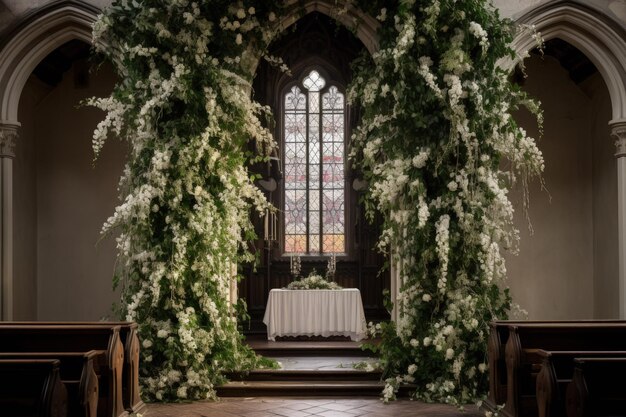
pixel 523 362
pixel 31 388
pixel 557 370
pixel 498 336
pixel 598 388
pixel 78 372
pixel 63 338
pixel 130 339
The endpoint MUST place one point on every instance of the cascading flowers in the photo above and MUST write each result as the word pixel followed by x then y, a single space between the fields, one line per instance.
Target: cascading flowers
pixel 435 135
pixel 435 132
pixel 183 104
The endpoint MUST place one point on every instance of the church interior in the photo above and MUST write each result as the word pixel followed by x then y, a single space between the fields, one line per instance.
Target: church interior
pixel 56 266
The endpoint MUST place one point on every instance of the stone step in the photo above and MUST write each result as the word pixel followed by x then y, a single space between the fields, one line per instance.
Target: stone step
pixel 312 348
pixel 317 388
pixel 294 375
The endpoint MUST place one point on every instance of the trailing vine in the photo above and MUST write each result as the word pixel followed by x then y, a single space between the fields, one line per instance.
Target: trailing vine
pixel 183 104
pixel 440 151
pixel 435 134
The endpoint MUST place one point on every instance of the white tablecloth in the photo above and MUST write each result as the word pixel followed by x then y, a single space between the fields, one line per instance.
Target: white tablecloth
pixel 315 313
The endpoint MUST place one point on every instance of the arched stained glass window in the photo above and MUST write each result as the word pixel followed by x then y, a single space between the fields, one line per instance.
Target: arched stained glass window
pixel 314 183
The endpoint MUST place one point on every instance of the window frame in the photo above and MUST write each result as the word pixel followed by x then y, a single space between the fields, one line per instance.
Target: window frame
pixel 325 71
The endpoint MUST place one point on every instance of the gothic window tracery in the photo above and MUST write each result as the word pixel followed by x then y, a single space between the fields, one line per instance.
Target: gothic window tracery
pixel 314 166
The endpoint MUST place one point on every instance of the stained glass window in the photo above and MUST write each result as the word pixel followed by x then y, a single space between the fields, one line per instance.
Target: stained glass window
pixel 314 133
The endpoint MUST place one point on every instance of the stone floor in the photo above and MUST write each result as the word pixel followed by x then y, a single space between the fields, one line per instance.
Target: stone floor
pixel 305 407
pixel 323 363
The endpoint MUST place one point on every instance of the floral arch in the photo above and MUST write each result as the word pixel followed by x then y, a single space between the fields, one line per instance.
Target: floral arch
pixel 435 125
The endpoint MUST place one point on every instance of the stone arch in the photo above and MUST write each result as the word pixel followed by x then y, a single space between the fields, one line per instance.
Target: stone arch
pixel 32 40
pixel 23 48
pixel 593 33
pixel 364 25
pixel 602 40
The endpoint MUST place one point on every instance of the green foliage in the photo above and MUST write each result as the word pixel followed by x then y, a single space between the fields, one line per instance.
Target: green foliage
pixel 436 128
pixel 184 106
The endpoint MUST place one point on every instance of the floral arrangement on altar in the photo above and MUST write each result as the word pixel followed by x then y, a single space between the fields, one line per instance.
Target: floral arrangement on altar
pixel 313 282
pixel 435 134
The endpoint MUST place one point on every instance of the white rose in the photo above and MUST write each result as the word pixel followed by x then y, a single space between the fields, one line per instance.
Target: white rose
pixel 482 368
pixel 147 343
pixel 426 297
pixel 427 341
pixel 414 342
pixel 162 333
pixel 412 368
pixel 241 13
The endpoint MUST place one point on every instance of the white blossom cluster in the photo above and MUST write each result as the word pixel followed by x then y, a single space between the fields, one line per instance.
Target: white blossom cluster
pixel 186 194
pixel 430 146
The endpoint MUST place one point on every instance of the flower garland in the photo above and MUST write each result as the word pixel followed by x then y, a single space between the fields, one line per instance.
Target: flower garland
pixel 436 129
pixel 313 282
pixel 435 134
pixel 184 106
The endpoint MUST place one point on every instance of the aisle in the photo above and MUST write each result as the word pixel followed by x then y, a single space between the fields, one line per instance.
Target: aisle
pixel 306 407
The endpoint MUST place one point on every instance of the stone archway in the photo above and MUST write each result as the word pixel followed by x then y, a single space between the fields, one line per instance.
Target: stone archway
pixel 602 41
pixel 33 39
pixel 364 25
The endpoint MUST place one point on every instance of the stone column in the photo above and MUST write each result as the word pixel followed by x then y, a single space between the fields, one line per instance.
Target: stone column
pixel 618 131
pixel 8 137
pixel 395 288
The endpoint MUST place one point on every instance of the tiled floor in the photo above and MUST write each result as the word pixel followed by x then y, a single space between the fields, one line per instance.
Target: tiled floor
pixel 282 407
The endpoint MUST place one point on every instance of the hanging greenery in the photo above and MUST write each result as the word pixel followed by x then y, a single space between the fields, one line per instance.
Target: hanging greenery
pixel 435 134
pixel 183 104
pixel 440 151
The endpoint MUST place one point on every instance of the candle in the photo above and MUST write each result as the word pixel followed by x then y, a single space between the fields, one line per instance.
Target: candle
pixel 275 228
pixel 291 263
pixel 266 225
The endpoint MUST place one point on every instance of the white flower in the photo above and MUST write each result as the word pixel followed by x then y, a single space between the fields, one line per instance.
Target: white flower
pixel 449 353
pixel 427 341
pixel 147 343
pixel 251 11
pixel 482 368
pixel 182 392
pixel 383 14
pixel 241 13
pixel 426 297
pixel 414 342
pixel 412 369
pixel 238 39
pixel 271 17
pixel 162 333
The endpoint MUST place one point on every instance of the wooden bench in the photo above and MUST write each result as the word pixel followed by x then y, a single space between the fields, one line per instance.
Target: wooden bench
pixel 523 362
pixel 79 373
pixel 32 388
pixel 63 338
pixel 498 336
pixel 598 388
pixel 557 370
pixel 129 336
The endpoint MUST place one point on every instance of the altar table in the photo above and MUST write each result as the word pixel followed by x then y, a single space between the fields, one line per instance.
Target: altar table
pixel 315 313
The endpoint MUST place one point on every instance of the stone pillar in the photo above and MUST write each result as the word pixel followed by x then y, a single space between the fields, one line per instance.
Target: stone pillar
pixel 395 288
pixel 8 137
pixel 618 131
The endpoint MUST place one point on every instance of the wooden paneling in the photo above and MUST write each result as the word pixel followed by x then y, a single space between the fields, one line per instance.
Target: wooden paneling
pixel 315 41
